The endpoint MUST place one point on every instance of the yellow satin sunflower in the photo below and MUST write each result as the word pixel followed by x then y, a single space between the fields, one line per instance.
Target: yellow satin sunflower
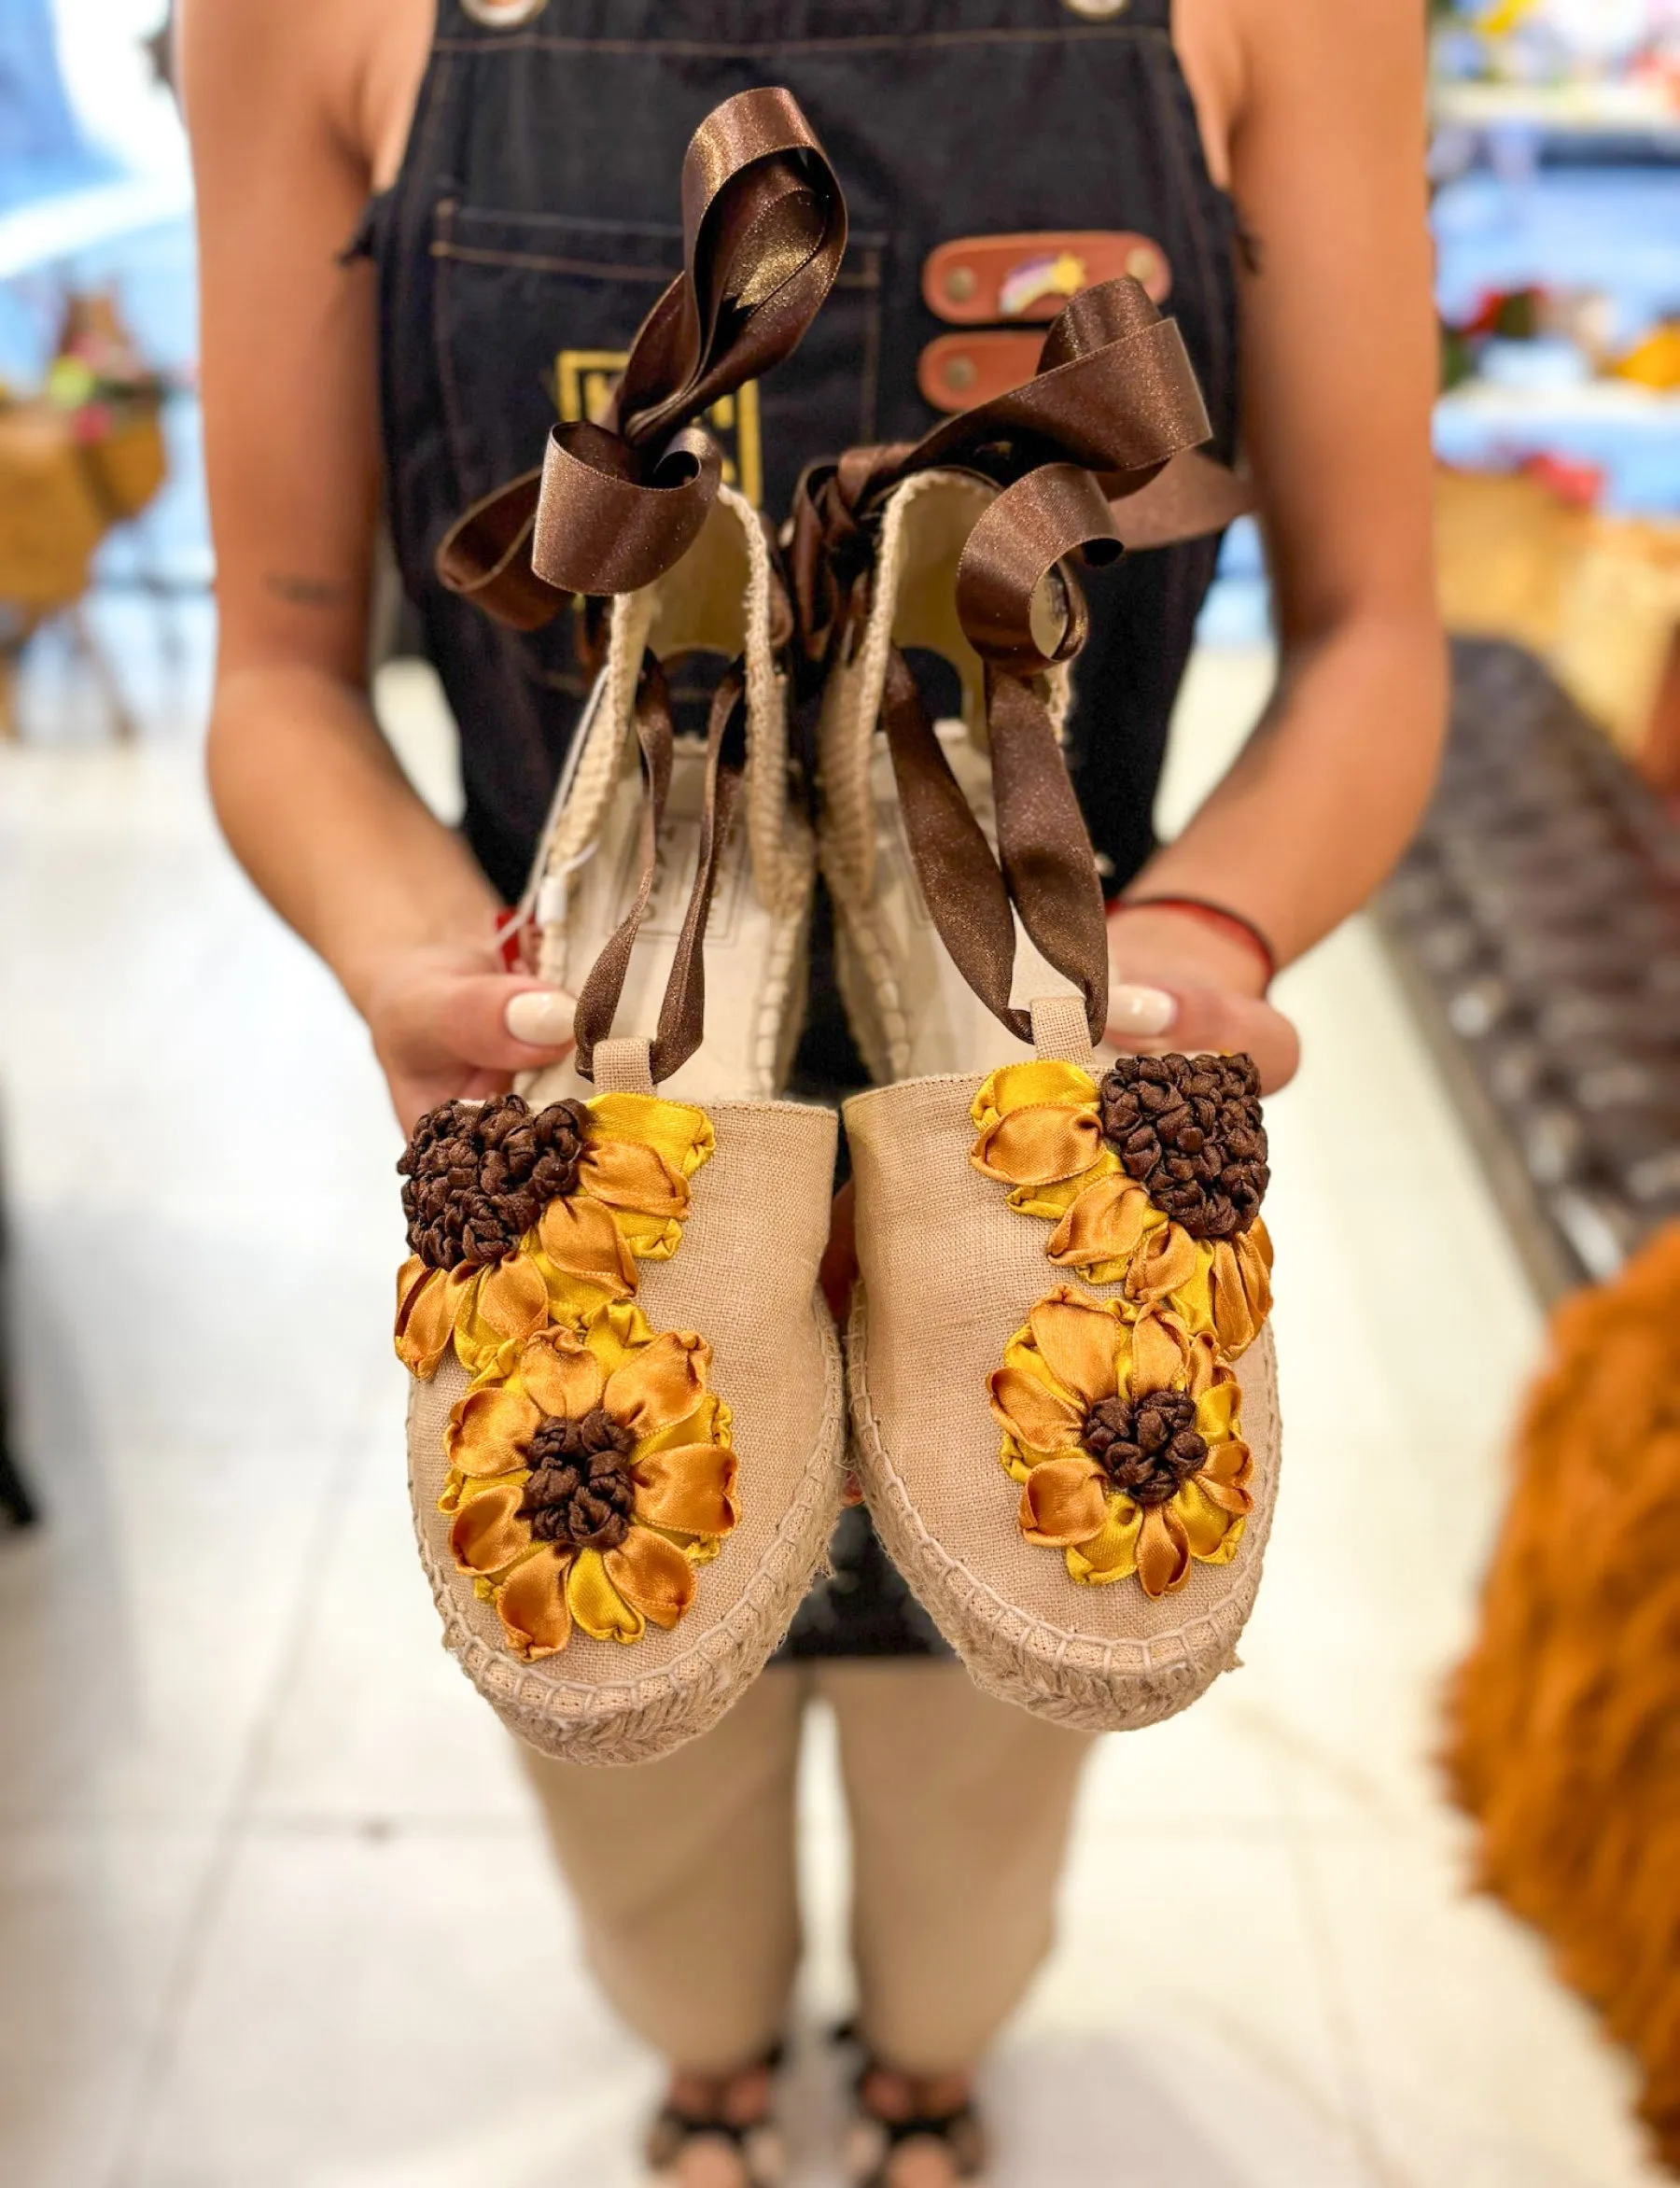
pixel 1048 1131
pixel 1125 1440
pixel 517 1218
pixel 589 1483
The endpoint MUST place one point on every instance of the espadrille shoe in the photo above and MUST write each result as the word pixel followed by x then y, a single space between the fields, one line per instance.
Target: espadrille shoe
pixel 626 1425
pixel 1062 1393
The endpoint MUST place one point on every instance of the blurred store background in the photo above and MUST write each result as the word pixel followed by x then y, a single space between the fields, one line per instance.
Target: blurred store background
pixel 243 1799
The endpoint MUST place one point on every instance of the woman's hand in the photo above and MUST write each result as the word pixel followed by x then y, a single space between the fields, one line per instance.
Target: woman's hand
pixel 1178 982
pixel 451 1024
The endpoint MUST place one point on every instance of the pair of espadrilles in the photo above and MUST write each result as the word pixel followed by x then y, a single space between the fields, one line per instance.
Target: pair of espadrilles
pixel 632 1415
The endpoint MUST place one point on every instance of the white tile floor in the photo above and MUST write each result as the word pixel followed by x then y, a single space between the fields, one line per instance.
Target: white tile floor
pixel 268 1875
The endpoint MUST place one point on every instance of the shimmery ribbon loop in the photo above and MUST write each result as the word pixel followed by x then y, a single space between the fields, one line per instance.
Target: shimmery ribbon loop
pixel 616 503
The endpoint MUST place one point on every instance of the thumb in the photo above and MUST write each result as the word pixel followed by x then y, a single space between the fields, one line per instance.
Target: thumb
pixel 1153 1021
pixel 507 1024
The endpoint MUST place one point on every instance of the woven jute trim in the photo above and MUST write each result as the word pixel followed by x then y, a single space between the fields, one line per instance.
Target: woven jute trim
pixel 783 846
pixel 866 959
pixel 783 852
pixel 866 974
pixel 853 701
pixel 1099 1685
pixel 614 1722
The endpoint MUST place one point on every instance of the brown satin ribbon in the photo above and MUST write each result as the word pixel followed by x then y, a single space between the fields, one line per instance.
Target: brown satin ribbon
pixel 1114 400
pixel 616 503
pixel 682 1012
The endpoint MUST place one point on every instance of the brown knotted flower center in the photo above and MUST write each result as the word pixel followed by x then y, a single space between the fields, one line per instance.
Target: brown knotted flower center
pixel 1149 1446
pixel 1188 1129
pixel 580 1493
pixel 480 1175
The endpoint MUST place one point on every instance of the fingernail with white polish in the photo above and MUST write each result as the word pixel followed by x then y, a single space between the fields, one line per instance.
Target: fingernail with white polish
pixel 541 1016
pixel 1141 1010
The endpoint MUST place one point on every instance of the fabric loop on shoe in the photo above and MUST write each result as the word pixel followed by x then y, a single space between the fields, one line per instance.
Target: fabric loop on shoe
pixel 617 503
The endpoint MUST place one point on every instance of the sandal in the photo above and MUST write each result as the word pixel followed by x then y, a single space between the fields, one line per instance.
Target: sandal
pixel 1060 1273
pixel 626 1423
pixel 745 2153
pixel 873 2145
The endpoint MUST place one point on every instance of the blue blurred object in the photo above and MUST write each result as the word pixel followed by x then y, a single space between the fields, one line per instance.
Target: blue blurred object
pixel 43 148
pixel 1610 233
pixel 1613 228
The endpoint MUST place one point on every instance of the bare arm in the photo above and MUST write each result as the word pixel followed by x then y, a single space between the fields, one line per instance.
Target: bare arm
pixel 305 787
pixel 1337 334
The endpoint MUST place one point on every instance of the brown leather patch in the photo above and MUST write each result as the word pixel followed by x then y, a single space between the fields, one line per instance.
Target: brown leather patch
pixel 976 280
pixel 957 370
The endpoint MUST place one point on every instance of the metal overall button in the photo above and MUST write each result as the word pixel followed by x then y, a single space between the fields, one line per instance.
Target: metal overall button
pixel 505 15
pixel 1096 10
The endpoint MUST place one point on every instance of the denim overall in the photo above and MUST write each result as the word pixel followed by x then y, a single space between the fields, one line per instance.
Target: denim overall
pixel 534 221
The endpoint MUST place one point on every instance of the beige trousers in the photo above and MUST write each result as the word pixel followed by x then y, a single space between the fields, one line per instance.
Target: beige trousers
pixel 684 1872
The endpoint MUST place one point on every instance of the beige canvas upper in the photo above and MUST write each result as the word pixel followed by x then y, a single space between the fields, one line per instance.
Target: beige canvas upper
pixel 744 1277
pixel 949 1272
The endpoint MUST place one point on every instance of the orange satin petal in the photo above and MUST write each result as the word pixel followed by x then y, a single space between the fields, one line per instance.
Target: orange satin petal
pixel 652 1575
pixel 688 1486
pixel 1036 1145
pixel 1107 1223
pixel 1165 1261
pixel 1163 1552
pixel 580 1239
pixel 660 1385
pixel 512 1298
pixel 532 1606
pixel 490 1430
pixel 426 1314
pixel 1206 1522
pixel 626 1173
pixel 1113 1555
pixel 603 1613
pixel 1218 1407
pixel 1227 1303
pixel 561 1375
pixel 1157 1354
pixel 1078 1338
pixel 1033 1413
pixel 485 1536
pixel 1064 1504
pixel 1024 1086
pixel 683 1134
pixel 1225 1475
pixel 1204 1370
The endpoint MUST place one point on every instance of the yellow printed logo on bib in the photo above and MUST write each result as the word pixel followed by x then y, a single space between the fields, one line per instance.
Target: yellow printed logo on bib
pixel 583 384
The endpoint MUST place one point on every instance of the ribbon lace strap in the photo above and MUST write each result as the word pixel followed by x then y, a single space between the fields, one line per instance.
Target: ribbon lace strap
pixel 618 503
pixel 598 999
pixel 1044 847
pixel 966 895
pixel 1043 868
pixel 682 1012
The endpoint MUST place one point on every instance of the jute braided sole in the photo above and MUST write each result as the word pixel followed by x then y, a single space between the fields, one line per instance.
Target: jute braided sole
pixel 1115 1685
pixel 613 1722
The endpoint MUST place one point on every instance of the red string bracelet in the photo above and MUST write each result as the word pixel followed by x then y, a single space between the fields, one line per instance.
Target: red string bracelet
pixel 1214 915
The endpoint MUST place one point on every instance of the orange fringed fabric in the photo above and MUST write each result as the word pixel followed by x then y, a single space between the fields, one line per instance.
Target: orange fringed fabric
pixel 1564 1739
